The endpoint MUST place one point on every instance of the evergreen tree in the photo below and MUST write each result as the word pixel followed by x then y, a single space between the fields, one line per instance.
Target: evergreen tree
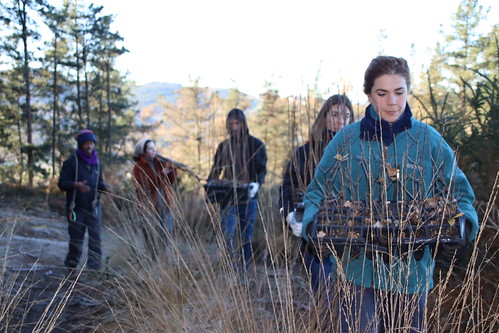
pixel 463 51
pixel 272 123
pixel 112 84
pixel 56 55
pixel 11 134
pixel 20 47
pixel 460 95
pixel 236 99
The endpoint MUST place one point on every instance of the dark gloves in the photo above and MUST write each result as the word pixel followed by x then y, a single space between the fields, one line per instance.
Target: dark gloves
pixel 448 251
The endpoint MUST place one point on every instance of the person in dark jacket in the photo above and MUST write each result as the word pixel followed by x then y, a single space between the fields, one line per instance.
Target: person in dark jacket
pixel 154 189
pixel 240 159
pixel 336 112
pixel 81 179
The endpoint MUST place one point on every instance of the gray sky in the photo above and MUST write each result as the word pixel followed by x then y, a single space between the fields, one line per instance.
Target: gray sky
pixel 243 44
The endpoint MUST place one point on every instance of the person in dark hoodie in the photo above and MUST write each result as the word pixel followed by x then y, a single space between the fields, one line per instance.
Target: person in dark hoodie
pixel 336 112
pixel 240 159
pixel 81 179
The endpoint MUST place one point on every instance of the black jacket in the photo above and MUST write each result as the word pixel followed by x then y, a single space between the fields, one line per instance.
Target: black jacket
pixel 91 173
pixel 246 163
pixel 299 172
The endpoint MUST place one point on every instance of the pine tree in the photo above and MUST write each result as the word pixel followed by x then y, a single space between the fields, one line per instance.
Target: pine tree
pixel 20 46
pixel 56 55
pixel 460 95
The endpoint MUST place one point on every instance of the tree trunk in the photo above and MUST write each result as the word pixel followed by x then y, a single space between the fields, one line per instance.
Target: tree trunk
pixel 21 159
pixel 27 107
pixel 87 95
pixel 78 87
pixel 108 92
pixel 55 108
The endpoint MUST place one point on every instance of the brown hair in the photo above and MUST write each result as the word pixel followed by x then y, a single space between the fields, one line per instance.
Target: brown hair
pixel 320 122
pixel 382 65
pixel 318 136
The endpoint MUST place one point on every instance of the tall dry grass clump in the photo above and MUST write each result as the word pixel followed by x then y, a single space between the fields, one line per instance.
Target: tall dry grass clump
pixel 187 281
pixel 466 293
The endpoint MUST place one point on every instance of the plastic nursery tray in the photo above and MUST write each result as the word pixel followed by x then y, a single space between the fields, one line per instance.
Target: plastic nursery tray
pixel 226 192
pixel 383 225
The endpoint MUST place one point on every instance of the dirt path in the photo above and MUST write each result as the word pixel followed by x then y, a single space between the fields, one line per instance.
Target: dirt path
pixel 35 292
pixel 34 283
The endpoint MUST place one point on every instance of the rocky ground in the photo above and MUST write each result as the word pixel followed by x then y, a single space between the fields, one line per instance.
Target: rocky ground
pixel 34 284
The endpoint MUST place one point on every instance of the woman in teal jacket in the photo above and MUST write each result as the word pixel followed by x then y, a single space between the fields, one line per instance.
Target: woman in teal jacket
pixel 358 165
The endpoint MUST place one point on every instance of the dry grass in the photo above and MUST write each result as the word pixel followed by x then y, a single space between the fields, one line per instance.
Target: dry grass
pixel 190 284
pixel 192 287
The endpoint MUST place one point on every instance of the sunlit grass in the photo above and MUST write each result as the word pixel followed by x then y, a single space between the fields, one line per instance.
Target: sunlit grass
pixel 192 287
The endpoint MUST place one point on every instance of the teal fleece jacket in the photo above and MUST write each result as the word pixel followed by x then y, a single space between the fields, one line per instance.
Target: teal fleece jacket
pixel 354 165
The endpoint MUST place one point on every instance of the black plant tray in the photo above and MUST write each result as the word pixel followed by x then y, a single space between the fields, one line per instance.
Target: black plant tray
pixel 226 192
pixel 381 226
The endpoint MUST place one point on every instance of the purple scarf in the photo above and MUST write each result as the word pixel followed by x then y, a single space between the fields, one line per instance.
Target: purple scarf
pixel 92 159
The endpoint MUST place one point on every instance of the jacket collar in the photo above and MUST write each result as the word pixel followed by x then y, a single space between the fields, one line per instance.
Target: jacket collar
pixel 373 128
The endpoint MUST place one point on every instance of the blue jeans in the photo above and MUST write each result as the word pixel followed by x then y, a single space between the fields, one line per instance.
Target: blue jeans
pixel 167 221
pixel 246 214
pixel 85 221
pixel 321 283
pixel 319 269
pixel 366 310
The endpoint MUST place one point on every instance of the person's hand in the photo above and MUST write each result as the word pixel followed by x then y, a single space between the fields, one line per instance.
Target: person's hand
pixel 449 251
pixel 80 186
pixel 291 219
pixel 253 189
pixel 296 227
pixel 167 168
pixel 107 189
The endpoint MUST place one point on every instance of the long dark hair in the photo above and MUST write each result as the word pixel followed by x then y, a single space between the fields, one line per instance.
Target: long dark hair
pixel 237 114
pixel 319 135
pixel 320 123
pixel 234 155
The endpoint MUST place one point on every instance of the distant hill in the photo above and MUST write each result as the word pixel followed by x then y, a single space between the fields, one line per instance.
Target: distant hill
pixel 147 95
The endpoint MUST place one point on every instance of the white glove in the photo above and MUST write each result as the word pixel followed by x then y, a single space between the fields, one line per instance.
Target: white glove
pixel 253 189
pixel 296 227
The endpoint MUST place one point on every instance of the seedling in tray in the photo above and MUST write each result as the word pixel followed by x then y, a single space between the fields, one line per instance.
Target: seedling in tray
pixel 383 225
